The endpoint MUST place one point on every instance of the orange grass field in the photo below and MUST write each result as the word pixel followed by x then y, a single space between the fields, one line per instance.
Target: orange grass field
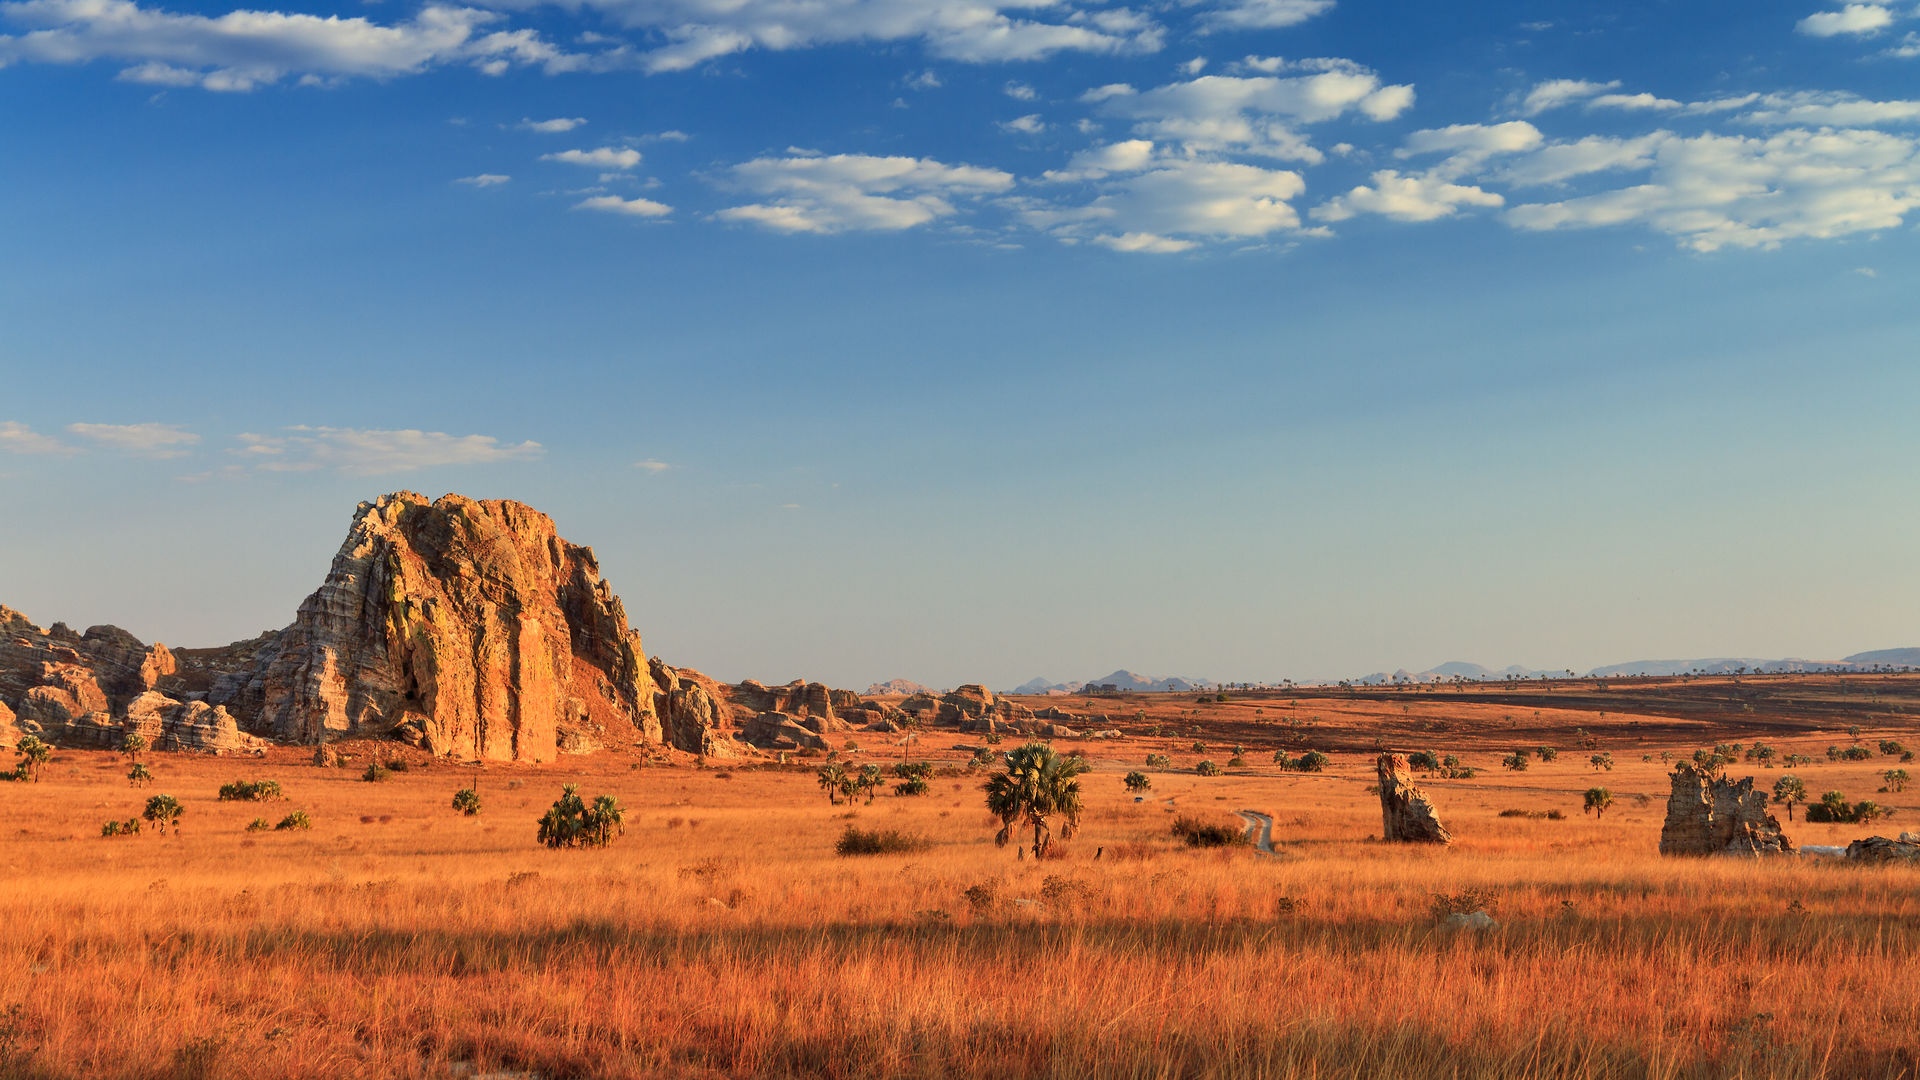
pixel 721 935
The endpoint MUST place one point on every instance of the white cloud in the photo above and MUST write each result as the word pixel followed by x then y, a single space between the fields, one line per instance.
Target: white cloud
pixel 1830 109
pixel 605 157
pixel 1554 93
pixel 1908 48
pixel 559 125
pixel 1261 14
pixel 18 438
pixel 974 31
pixel 1854 19
pixel 1478 140
pixel 1632 102
pixel 1866 271
pixel 843 192
pixel 1716 191
pixel 1132 155
pixel 369 452
pixel 484 180
pixel 614 204
pixel 1174 202
pixel 1030 124
pixel 926 80
pixel 1258 114
pixel 1194 66
pixel 1421 197
pixel 1020 91
pixel 1563 161
pixel 652 467
pixel 242 50
pixel 1111 90
pixel 152 440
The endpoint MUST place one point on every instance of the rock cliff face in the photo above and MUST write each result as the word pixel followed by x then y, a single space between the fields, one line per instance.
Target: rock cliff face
pixel 469 627
pixel 1713 815
pixel 1407 816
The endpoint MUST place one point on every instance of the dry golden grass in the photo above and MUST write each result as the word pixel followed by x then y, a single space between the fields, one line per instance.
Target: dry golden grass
pixel 722 937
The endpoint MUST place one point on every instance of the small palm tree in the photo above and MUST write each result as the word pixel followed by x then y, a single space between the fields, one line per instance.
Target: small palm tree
pixel 561 825
pixel 1138 782
pixel 1598 799
pixel 164 811
pixel 604 821
pixel 33 754
pixel 138 776
pixel 467 800
pixel 833 779
pixel 1896 779
pixel 870 779
pixel 1037 785
pixel 1789 789
pixel 133 745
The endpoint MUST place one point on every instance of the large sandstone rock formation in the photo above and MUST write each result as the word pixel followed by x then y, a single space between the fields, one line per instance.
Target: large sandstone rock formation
pixel 1407 815
pixel 471 627
pixel 93 689
pixel 1713 815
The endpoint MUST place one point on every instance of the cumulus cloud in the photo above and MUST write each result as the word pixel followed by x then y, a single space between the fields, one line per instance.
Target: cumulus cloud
pixel 1718 191
pixel 842 192
pixel 614 204
pixel 242 50
pixel 1261 14
pixel 974 31
pixel 18 438
pixel 1173 203
pixel 152 440
pixel 1857 20
pixel 652 467
pixel 1632 102
pixel 1020 91
pixel 559 125
pixel 1831 109
pixel 484 180
pixel 1255 114
pixel 605 157
pixel 1420 197
pixel 371 452
pixel 1555 93
pixel 1030 124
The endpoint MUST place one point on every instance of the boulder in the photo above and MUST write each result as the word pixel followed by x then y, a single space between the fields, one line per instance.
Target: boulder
pixel 781 731
pixel 1061 731
pixel 475 617
pixel 1055 713
pixel 920 703
pixel 1879 849
pixel 1714 815
pixel 9 730
pixel 844 699
pixel 1407 816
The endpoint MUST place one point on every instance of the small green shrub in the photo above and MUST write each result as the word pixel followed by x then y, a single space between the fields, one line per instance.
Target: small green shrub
pixel 1208 768
pixel 467 801
pixel 1137 782
pixel 878 842
pixel 915 786
pixel 1311 761
pixel 1159 761
pixel 250 791
pixel 164 811
pixel 376 773
pixel 296 820
pixel 1209 834
pixel 129 827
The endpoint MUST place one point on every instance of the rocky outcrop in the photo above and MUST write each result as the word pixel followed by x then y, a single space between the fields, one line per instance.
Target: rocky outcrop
pixel 1407 816
pixel 693 713
pixel 797 697
pixel 471 622
pixel 183 725
pixel 784 731
pixel 1053 712
pixel 1713 815
pixel 969 700
pixel 898 687
pixel 9 731
pixel 1879 849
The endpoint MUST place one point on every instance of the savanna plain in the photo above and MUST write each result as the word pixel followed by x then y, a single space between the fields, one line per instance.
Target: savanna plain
pixel 722 934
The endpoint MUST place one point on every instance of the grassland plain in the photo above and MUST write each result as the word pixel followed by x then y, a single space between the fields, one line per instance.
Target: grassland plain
pixel 721 936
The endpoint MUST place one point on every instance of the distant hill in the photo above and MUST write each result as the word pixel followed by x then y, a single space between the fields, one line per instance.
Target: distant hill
pixel 896 686
pixel 1889 657
pixel 1122 680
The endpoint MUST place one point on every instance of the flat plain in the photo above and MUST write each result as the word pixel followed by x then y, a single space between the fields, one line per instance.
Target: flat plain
pixel 721 935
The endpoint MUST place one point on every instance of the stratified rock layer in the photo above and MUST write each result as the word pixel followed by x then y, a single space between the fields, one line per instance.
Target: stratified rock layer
pixel 470 627
pixel 1407 816
pixel 1713 815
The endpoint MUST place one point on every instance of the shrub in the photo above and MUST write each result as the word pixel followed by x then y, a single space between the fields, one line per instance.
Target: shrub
pixel 1311 761
pixel 164 811
pixel 1517 761
pixel 34 753
pixel 878 842
pixel 1159 761
pixel 915 786
pixel 1236 762
pixel 1281 759
pixel 1207 768
pixel 1209 834
pixel 914 770
pixel 1896 779
pixel 1424 760
pixel 250 791
pixel 570 822
pixel 1601 761
pixel 982 758
pixel 1199 748
pixel 138 775
pixel 467 801
pixel 1546 753
pixel 296 820
pixel 133 744
pixel 375 773
pixel 1891 748
pixel 129 827
pixel 1137 782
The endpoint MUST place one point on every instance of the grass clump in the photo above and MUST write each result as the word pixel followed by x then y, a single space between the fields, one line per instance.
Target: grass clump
pixel 251 791
pixel 1209 834
pixel 878 842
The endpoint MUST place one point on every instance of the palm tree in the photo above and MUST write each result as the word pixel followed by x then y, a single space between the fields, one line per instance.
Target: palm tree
pixel 133 745
pixel 1598 799
pixel 1037 785
pixel 163 811
pixel 33 754
pixel 139 775
pixel 869 781
pixel 1789 789
pixel 832 779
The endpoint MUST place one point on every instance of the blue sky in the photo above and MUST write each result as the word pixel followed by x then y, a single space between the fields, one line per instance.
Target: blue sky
pixel 959 340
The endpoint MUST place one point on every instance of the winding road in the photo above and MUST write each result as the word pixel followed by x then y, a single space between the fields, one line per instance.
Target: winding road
pixel 1259 830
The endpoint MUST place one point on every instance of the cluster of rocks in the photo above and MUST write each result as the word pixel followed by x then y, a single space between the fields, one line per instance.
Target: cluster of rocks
pixel 1710 814
pixel 1407 814
pixel 93 689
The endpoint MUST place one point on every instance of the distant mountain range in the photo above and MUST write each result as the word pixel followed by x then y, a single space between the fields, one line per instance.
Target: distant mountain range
pixel 896 686
pixel 1120 680
pixel 1714 665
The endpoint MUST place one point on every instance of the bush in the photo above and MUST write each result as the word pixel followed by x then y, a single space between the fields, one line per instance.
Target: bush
pixel 878 842
pixel 1198 833
pixel 296 820
pixel 1207 768
pixel 1199 748
pixel 1424 760
pixel 259 824
pixel 915 786
pixel 1236 762
pixel 138 775
pixel 982 758
pixel 914 770
pixel 1891 748
pixel 1311 761
pixel 1137 782
pixel 570 822
pixel 1517 761
pixel 129 827
pixel 164 811
pixel 250 791
pixel 467 801
pixel 1159 761
pixel 375 774
pixel 1546 753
